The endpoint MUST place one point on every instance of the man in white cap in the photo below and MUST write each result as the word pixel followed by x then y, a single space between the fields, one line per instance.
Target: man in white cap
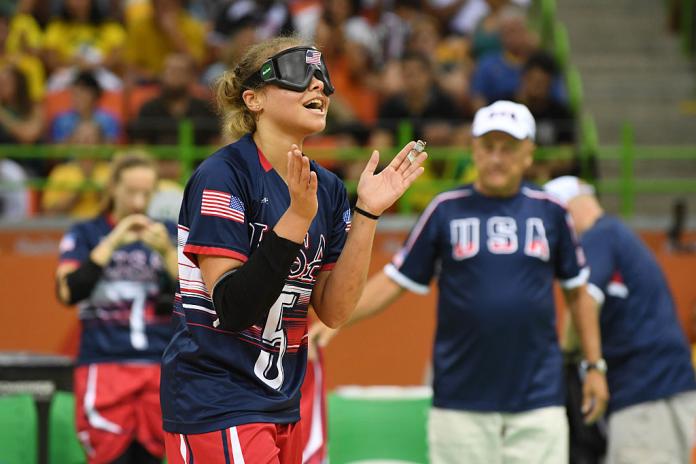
pixel 495 247
pixel 652 411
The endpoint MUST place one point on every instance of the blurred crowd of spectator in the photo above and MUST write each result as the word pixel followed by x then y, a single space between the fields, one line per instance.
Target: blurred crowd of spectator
pixel 92 72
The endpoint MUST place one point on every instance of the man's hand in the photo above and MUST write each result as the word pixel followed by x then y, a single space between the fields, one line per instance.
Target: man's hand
pixel 595 395
pixel 318 337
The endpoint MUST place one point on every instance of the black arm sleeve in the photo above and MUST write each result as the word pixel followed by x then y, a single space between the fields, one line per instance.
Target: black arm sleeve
pixel 243 296
pixel 82 280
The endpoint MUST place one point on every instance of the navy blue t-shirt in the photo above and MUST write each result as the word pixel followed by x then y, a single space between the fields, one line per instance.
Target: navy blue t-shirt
pixel 642 342
pixel 496 346
pixel 118 319
pixel 211 378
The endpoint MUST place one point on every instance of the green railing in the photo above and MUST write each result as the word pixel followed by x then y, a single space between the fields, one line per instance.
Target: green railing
pixel 686 26
pixel 451 160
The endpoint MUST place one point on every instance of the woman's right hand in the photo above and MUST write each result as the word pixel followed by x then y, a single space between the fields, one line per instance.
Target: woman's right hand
pixel 302 184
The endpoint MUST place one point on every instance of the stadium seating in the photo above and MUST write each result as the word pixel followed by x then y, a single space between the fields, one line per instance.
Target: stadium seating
pixel 18 430
pixel 63 446
pixel 378 424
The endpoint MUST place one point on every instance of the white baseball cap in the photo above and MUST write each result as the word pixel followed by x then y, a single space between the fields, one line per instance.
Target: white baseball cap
pixel 505 116
pixel 565 188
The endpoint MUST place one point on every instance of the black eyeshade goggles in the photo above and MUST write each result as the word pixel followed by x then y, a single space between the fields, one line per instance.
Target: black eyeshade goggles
pixel 292 69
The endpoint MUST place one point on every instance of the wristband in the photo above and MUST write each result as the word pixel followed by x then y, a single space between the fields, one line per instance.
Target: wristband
pixel 365 213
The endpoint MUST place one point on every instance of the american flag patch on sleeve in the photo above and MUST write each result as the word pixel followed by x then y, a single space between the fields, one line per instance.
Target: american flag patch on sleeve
pixel 222 204
pixel 346 219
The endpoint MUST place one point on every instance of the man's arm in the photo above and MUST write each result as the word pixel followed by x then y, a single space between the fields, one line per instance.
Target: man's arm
pixel 380 291
pixel 583 310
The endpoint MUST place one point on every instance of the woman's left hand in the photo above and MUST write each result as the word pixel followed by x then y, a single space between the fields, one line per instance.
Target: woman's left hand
pixel 377 192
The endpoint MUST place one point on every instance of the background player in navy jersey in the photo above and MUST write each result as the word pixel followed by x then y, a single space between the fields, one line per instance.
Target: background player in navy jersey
pixel 652 410
pixel 119 268
pixel 262 234
pixel 496 247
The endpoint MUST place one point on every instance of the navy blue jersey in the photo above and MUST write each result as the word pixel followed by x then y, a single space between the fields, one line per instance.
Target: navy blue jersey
pixel 212 378
pixel 118 320
pixel 642 342
pixel 496 346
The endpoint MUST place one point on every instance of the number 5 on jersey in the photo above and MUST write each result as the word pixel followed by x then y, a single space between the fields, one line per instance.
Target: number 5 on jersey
pixel 274 335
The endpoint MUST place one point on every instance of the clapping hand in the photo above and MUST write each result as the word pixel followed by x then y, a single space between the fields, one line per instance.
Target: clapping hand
pixel 377 192
pixel 302 185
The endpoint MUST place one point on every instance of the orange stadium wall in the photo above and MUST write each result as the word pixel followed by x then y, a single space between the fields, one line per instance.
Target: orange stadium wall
pixel 392 348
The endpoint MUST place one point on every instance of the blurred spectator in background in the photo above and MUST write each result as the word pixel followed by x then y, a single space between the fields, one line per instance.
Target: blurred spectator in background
pixel 83 39
pixel 20 45
pixel 113 9
pixel 39 10
pixel 272 17
pixel 14 196
pixel 354 105
pixel 450 60
pixel 21 119
pixel 119 268
pixel 497 75
pixel 75 188
pixel 422 104
pixel 234 32
pixel 555 120
pixel 329 29
pixel 462 17
pixel 426 37
pixel 159 119
pixel 395 23
pixel 85 93
pixel 486 37
pixel 159 31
